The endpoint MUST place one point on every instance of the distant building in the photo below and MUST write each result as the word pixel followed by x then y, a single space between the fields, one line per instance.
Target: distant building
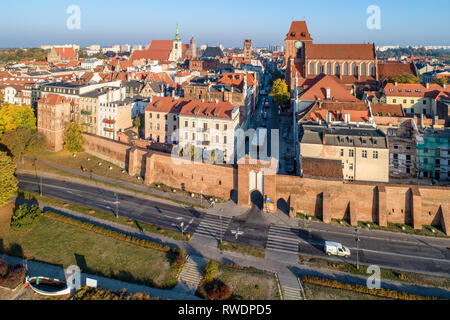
pixel 248 50
pixel 61 55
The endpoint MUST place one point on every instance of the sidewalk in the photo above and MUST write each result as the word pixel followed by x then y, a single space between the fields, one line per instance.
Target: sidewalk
pixel 274 266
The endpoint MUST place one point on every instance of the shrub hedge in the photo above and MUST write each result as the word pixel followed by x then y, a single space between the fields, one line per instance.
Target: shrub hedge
pixel 385 293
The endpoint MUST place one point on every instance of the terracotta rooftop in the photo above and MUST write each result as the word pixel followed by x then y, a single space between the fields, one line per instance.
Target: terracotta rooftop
pixel 318 90
pixel 298 31
pixel 53 99
pixel 392 69
pixel 340 51
pixel 394 110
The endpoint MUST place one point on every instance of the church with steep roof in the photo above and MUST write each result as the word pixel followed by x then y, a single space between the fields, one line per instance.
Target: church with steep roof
pixel 164 51
pixel 349 64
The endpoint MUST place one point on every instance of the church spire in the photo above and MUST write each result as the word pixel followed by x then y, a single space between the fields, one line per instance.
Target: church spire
pixel 177 35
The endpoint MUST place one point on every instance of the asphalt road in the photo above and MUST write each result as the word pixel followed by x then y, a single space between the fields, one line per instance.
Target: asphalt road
pixel 424 254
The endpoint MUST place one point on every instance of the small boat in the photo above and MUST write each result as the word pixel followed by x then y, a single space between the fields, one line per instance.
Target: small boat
pixel 48 286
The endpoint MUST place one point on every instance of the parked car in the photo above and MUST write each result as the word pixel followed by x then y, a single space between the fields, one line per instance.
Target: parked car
pixel 336 249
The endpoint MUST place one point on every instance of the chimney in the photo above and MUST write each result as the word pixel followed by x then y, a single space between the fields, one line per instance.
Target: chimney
pixel 347 118
pixel 173 93
pixel 427 85
pixel 436 120
pixel 328 117
pixel 444 85
pixel 396 84
pixel 328 93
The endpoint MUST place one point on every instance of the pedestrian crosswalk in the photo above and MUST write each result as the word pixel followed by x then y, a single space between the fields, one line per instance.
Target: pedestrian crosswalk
pixel 290 293
pixel 192 272
pixel 283 239
pixel 213 227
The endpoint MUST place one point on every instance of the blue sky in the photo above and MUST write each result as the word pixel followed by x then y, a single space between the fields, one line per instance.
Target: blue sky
pixel 30 23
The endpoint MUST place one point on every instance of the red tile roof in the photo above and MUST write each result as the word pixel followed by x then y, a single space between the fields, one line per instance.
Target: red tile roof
pixel 381 109
pixel 209 109
pixel 166 105
pixel 318 90
pixel 66 53
pixel 237 79
pixel 53 99
pixel 392 69
pixel 298 31
pixel 434 91
pixel 340 51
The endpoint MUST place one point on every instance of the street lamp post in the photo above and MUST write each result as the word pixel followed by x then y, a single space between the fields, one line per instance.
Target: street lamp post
pixel 117 205
pixel 40 186
pixel 357 248
pixel 220 217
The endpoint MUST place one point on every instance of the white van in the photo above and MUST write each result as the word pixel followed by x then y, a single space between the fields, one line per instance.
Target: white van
pixel 336 249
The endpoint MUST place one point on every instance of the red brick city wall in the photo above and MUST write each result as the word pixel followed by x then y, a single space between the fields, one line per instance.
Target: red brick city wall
pixel 326 199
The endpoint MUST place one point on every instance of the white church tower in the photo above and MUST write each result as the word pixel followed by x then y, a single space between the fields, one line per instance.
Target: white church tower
pixel 177 50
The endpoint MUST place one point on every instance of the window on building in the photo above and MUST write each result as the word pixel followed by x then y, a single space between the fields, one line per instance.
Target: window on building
pixel 364 153
pixel 375 154
pixel 225 127
pixel 151 126
pixel 342 152
pixel 193 136
pixel 186 124
pixel 157 126
pixel 186 136
pixel 217 139
pixel 351 153
pixel 351 166
pixel 193 124
pixel 412 101
pixel 225 139
pixel 394 100
pixel 217 126
pixel 157 116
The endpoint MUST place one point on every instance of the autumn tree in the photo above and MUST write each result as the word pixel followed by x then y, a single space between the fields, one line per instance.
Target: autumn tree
pixel 8 182
pixel 280 93
pixel 405 78
pixel 17 141
pixel 439 81
pixel 13 117
pixel 73 140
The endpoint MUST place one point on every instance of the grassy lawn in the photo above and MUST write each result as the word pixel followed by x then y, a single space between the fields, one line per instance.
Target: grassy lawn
pixel 249 283
pixel 243 249
pixel 104 215
pixel 316 292
pixel 66 159
pixel 386 274
pixel 62 244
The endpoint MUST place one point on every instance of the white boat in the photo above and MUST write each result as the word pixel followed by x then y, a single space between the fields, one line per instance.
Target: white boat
pixel 48 287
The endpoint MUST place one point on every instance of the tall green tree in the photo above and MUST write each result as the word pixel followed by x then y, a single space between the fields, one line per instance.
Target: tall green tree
pixel 73 140
pixel 8 182
pixel 280 93
pixel 13 117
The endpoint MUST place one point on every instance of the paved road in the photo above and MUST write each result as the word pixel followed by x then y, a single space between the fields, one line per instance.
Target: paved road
pixel 401 251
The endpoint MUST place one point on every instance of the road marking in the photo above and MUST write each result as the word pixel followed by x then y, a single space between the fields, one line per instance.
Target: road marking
pixel 402 255
pixel 283 239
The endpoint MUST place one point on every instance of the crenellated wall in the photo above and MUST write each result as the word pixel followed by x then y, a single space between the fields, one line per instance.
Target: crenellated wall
pixel 326 199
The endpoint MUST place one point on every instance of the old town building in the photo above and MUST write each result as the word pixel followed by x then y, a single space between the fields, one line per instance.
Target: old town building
pixel 52 116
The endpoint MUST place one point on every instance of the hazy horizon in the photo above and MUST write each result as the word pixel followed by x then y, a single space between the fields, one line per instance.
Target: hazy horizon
pixel 32 24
